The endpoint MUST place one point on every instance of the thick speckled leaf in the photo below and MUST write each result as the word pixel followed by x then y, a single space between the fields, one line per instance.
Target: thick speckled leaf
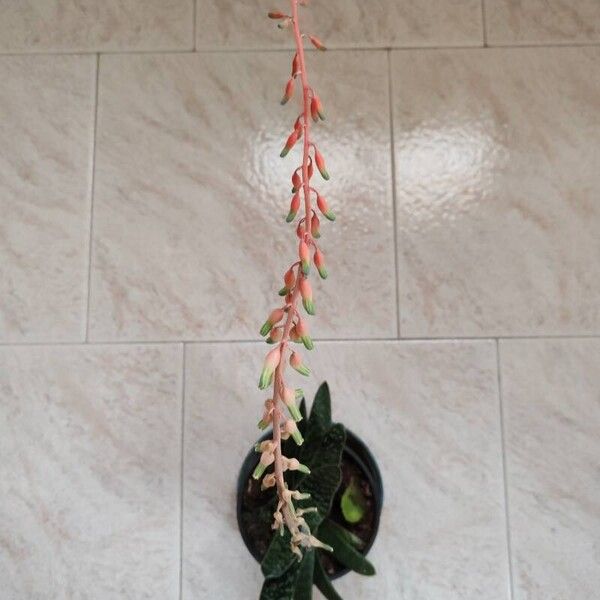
pixel 350 537
pixel 281 588
pixel 304 581
pixel 279 557
pixel 320 412
pixel 321 450
pixel 344 552
pixel 323 582
pixel 321 484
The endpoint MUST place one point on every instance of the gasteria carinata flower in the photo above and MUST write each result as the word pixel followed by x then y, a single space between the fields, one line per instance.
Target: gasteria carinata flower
pixel 324 208
pixel 320 164
pixel 290 428
pixel 289 399
pixel 302 331
pixel 316 109
pixel 294 206
pixel 289 91
pixel 304 255
pixel 289 279
pixel 274 318
pixel 266 459
pixel 297 364
pixel 271 361
pixel 320 264
pixel 290 144
pixel 315 225
pixel 307 297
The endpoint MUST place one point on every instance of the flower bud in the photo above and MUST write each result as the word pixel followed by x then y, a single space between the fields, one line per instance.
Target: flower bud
pixel 289 399
pixel 289 91
pixel 321 164
pixel 316 109
pixel 290 144
pixel 295 65
pixel 302 330
pixel 289 279
pixel 271 362
pixel 291 428
pixel 274 318
pixel 294 206
pixel 275 14
pixel 267 415
pixel 300 229
pixel 310 168
pixel 265 446
pixel 306 293
pixel 296 363
pixel 315 227
pixel 296 183
pixel 320 264
pixel 316 42
pixel 324 208
pixel 285 23
pixel 304 255
pixel 294 335
pixel 268 481
pixel 293 464
pixel 266 459
pixel 275 335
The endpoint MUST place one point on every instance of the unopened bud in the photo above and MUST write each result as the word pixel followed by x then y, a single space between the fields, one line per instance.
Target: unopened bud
pixel 289 144
pixel 316 42
pixel 289 399
pixel 275 335
pixel 306 293
pixel 295 65
pixel 271 362
pixel 266 459
pixel 324 208
pixel 291 428
pixel 296 181
pixel 275 14
pixel 294 206
pixel 289 91
pixel 320 264
pixel 274 318
pixel 316 109
pixel 315 225
pixel 321 164
pixel 302 330
pixel 304 255
pixel 296 363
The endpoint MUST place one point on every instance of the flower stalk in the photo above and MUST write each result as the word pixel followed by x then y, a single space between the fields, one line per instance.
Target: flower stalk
pixel 284 325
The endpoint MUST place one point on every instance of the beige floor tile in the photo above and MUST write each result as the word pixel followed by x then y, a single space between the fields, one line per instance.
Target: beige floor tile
pixel 95 25
pixel 90 472
pixel 429 412
pixel 551 390
pixel 378 23
pixel 497 171
pixel 46 139
pixel 190 195
pixel 542 21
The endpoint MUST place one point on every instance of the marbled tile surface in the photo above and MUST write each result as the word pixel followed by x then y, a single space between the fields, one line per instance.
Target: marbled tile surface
pixel 190 195
pixel 46 137
pixel 343 24
pixel 95 25
pixel 430 414
pixel 90 472
pixel 542 21
pixel 551 395
pixel 497 168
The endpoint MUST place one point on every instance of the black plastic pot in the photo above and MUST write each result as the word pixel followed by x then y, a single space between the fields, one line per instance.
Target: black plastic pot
pixel 357 451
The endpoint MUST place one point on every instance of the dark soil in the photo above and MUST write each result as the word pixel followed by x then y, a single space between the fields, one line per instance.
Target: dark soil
pixel 258 508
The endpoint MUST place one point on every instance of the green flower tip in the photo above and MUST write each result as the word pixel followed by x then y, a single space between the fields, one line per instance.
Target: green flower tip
pixel 260 469
pixel 309 306
pixel 267 326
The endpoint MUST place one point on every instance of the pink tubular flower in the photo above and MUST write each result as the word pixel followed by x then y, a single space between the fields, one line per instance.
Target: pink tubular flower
pixel 290 144
pixel 316 109
pixel 315 227
pixel 307 298
pixel 289 399
pixel 302 331
pixel 321 164
pixel 291 428
pixel 274 318
pixel 295 65
pixel 294 206
pixel 266 458
pixel 271 362
pixel 304 255
pixel 275 14
pixel 296 182
pixel 320 264
pixel 289 279
pixel 297 364
pixel 289 91
pixel 324 208
pixel 316 42
pixel 275 336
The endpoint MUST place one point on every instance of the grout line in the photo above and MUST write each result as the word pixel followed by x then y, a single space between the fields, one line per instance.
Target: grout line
pixel 92 184
pixel 243 50
pixel 394 197
pixel 484 24
pixel 182 473
pixel 504 470
pixel 488 338
pixel 194 16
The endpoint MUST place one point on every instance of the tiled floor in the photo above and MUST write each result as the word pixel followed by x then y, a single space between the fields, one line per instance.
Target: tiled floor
pixel 141 243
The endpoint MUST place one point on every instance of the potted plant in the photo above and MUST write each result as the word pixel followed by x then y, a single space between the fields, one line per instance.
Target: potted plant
pixel 310 496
